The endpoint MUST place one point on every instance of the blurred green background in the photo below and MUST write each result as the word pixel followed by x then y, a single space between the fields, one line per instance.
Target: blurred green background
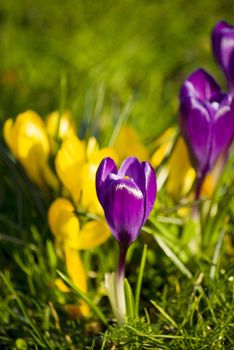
pixel 124 48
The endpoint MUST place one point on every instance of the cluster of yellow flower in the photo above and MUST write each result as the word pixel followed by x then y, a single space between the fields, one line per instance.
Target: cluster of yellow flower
pixel 35 142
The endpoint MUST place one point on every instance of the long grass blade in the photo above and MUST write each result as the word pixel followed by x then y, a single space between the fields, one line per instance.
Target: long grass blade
pixel 84 296
pixel 139 280
pixel 171 255
pixel 164 313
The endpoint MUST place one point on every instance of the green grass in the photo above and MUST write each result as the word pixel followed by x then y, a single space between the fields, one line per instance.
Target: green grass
pixel 99 59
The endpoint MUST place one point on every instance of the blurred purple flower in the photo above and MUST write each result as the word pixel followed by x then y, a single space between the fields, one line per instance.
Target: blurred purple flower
pixel 223 48
pixel 127 196
pixel 207 121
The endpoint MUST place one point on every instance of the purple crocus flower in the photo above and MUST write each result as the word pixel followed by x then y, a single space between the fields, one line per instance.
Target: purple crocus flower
pixel 127 196
pixel 207 121
pixel 223 48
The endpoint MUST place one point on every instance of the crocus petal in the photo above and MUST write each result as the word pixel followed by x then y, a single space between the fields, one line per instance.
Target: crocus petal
pixel 144 176
pixel 128 143
pixel 181 174
pixel 132 168
pixel 75 269
pixel 199 85
pixel 68 163
pixel 124 209
pixel 163 145
pixel 223 131
pixel 49 176
pixel 223 48
pixel 93 234
pixel 63 223
pixel 7 133
pixel 91 147
pixel 106 167
pixel 60 126
pixel 223 43
pixel 28 141
pixel 150 188
pixel 195 124
pixel 230 72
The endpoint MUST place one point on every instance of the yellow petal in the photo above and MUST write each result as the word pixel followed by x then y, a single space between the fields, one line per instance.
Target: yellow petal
pixel 208 186
pixel 163 145
pixel 7 133
pixel 165 137
pixel 93 234
pixel 65 128
pixel 69 161
pixel 99 155
pixel 211 179
pixel 179 167
pixel 75 311
pixel 159 155
pixel 128 144
pixel 49 177
pixel 189 179
pixel 75 269
pixel 64 224
pixel 61 285
pixel 31 136
pixel 89 198
pixel 92 146
pixel 84 308
pixel 28 141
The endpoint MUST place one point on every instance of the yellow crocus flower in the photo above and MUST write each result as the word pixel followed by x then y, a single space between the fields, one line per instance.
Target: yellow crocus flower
pixel 29 142
pixel 70 239
pixel 129 144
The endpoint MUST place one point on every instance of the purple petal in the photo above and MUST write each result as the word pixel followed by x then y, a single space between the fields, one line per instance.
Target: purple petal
pixel 230 72
pixel 199 85
pixel 132 168
pixel 196 126
pixel 223 44
pixel 106 167
pixel 223 130
pixel 150 188
pixel 217 35
pixel 124 209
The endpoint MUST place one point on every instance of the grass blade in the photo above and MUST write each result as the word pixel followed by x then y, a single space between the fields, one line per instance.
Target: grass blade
pixel 36 334
pixel 216 255
pixel 164 313
pixel 139 280
pixel 171 255
pixel 84 296
pixel 129 299
pixel 123 116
